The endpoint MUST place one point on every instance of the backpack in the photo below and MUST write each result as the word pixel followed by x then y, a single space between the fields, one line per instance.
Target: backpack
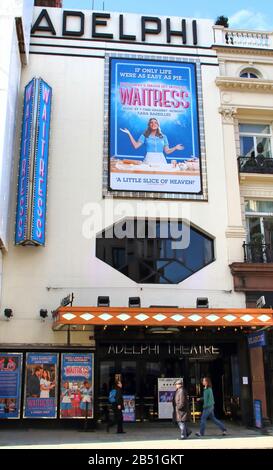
pixel 112 396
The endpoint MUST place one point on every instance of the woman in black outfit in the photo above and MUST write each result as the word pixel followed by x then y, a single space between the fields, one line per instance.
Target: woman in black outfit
pixel 117 407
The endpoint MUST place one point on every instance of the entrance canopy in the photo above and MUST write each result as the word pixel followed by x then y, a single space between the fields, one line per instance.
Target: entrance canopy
pixel 180 317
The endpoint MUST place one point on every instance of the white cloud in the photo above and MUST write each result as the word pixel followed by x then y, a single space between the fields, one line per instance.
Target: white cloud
pixel 248 19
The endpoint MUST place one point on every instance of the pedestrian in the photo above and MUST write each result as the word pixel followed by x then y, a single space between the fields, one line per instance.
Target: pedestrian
pixel 116 400
pixel 181 411
pixel 208 409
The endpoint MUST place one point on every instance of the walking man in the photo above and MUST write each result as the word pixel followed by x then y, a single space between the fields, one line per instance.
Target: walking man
pixel 181 413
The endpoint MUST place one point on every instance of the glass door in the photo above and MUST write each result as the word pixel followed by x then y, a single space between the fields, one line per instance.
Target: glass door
pixel 106 383
pixel 149 389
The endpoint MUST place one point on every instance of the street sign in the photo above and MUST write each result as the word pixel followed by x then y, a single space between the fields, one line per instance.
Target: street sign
pixel 257 339
pixel 258 419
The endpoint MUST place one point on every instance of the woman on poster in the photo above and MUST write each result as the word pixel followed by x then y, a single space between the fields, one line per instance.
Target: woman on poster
pixel 76 402
pixel 45 384
pixel 66 402
pixel 156 143
pixel 85 405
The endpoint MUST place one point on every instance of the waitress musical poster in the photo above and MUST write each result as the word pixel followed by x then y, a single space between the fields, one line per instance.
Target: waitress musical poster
pixel 154 131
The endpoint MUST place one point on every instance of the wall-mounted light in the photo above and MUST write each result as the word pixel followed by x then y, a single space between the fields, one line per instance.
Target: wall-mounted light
pixel 202 302
pixel 8 313
pixel 43 314
pixel 103 301
pixel 134 302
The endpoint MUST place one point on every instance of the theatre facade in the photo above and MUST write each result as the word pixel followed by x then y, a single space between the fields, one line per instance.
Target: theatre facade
pixel 141 219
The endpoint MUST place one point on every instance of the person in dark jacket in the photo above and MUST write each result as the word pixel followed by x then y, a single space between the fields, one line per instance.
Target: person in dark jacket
pixel 33 384
pixel 117 407
pixel 181 411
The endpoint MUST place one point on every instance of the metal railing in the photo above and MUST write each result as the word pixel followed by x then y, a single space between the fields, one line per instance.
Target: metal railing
pixel 257 164
pixel 258 253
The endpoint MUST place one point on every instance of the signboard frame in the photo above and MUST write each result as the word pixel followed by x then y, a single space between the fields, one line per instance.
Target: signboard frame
pixel 258 415
pixel 130 415
pixel 153 193
pixel 41 355
pixel 30 223
pixel 166 392
pixel 19 383
pixel 76 389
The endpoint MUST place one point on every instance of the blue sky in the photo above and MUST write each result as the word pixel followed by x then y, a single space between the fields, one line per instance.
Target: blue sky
pixel 244 14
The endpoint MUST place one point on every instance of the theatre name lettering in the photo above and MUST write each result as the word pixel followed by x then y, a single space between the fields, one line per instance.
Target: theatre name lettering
pixel 200 350
pixel 109 26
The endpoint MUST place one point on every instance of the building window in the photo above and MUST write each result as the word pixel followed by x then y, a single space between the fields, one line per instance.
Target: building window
pixel 259 220
pixel 250 73
pixel 255 141
pixel 154 256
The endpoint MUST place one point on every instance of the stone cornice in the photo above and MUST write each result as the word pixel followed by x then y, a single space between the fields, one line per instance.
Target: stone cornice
pixel 245 84
pixel 257 177
pixel 243 50
pixel 257 269
pixel 252 277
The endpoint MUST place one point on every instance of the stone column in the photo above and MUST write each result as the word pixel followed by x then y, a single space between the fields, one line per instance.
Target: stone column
pixel 235 229
pixel 258 378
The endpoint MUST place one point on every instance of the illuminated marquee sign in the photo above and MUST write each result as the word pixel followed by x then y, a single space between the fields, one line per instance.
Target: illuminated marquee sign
pixel 33 167
pixel 24 166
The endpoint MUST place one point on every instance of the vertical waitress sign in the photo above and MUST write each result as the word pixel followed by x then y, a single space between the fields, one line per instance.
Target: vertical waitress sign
pixel 154 131
pixel 33 165
pixel 76 386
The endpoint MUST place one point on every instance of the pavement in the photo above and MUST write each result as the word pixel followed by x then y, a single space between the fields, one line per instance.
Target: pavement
pixel 138 436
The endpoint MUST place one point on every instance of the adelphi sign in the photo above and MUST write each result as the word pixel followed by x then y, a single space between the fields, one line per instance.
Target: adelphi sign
pixel 117 27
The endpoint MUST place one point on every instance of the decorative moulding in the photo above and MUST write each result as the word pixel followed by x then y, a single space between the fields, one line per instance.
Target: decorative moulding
pixel 245 84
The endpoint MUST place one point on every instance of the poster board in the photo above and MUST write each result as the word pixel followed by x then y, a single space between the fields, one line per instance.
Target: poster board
pixel 77 386
pixel 41 385
pixel 166 391
pixel 10 385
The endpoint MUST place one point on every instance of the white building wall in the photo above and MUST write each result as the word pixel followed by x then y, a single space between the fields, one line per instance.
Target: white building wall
pixel 10 73
pixel 39 277
pixel 10 67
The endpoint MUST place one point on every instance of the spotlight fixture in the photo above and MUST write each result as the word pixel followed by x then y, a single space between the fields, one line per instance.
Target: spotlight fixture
pixel 8 313
pixel 164 331
pixel 134 302
pixel 103 301
pixel 43 314
pixel 202 302
pixel 68 300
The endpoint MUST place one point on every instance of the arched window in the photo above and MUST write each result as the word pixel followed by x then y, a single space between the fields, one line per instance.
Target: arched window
pixel 250 73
